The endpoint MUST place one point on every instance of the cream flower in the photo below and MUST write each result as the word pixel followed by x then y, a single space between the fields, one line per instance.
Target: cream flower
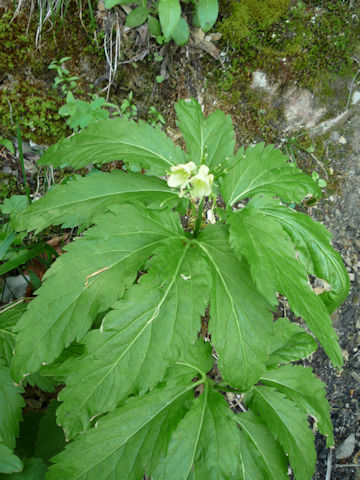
pixel 201 183
pixel 180 175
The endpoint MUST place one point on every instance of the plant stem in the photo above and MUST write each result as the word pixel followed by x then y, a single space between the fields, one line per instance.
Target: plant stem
pixel 199 218
pixel 21 157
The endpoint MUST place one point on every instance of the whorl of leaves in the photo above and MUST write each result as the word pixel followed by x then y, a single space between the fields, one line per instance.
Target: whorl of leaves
pixel 117 317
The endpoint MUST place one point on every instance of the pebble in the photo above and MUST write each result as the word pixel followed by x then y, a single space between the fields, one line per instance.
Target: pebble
pixel 346 448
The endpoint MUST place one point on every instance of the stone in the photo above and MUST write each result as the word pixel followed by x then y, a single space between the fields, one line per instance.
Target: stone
pixel 346 448
pixel 355 98
pixel 299 108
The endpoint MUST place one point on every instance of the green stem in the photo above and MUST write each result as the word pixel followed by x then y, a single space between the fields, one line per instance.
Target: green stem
pixel 199 218
pixel 21 157
pixel 227 389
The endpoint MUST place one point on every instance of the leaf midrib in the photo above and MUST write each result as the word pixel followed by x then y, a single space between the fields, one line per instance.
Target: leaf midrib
pixel 154 316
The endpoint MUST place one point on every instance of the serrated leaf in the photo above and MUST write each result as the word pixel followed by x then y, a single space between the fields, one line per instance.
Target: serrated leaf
pixel 9 462
pixel 107 260
pixel 8 320
pixel 205 443
pixel 139 338
pixel 130 440
pixel 137 144
pixel 290 343
pixel 274 268
pixel 270 460
pixel 34 469
pixel 210 139
pixel 301 386
pixel 207 12
pixel 262 169
pixel 240 323
pixel 289 425
pixel 50 437
pixel 169 15
pixel 250 465
pixel 11 403
pixel 14 205
pixel 137 17
pixel 312 241
pixel 80 200
pixel 25 444
pixel 45 383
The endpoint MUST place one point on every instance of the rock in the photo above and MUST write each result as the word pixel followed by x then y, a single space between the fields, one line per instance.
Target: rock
pixel 355 98
pixel 299 108
pixel 15 287
pixel 346 448
pixel 261 82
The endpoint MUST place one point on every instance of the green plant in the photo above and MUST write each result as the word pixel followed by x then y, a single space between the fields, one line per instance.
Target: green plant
pixel 142 389
pixel 155 117
pixel 169 24
pixel 127 108
pixel 64 80
pixel 81 114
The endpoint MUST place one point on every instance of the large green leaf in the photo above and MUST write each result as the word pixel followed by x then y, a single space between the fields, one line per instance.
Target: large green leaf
pixel 262 169
pixel 268 460
pixel 169 15
pixel 290 343
pixel 312 241
pixel 9 462
pixel 130 440
pixel 275 268
pixel 241 323
pixel 88 280
pixel 34 469
pixel 289 425
pixel 11 403
pixel 205 443
pixel 139 338
pixel 138 144
pixel 50 438
pixel 80 200
pixel 207 12
pixel 8 320
pixel 211 139
pixel 301 386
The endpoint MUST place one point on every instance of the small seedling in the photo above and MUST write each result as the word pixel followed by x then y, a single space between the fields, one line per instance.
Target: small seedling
pixel 63 80
pixel 155 117
pixel 127 108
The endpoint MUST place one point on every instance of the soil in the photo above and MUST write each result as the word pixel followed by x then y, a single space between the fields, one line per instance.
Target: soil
pixel 339 210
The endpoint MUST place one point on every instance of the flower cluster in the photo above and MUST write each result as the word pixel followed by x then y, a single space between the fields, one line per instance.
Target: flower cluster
pixel 185 175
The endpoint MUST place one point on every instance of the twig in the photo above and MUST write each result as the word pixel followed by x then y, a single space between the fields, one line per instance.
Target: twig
pixel 351 88
pixel 329 464
pixel 348 465
pixel 8 307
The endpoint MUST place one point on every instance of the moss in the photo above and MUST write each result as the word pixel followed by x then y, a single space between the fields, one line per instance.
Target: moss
pixel 9 186
pixel 247 17
pixel 26 89
pixel 36 107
